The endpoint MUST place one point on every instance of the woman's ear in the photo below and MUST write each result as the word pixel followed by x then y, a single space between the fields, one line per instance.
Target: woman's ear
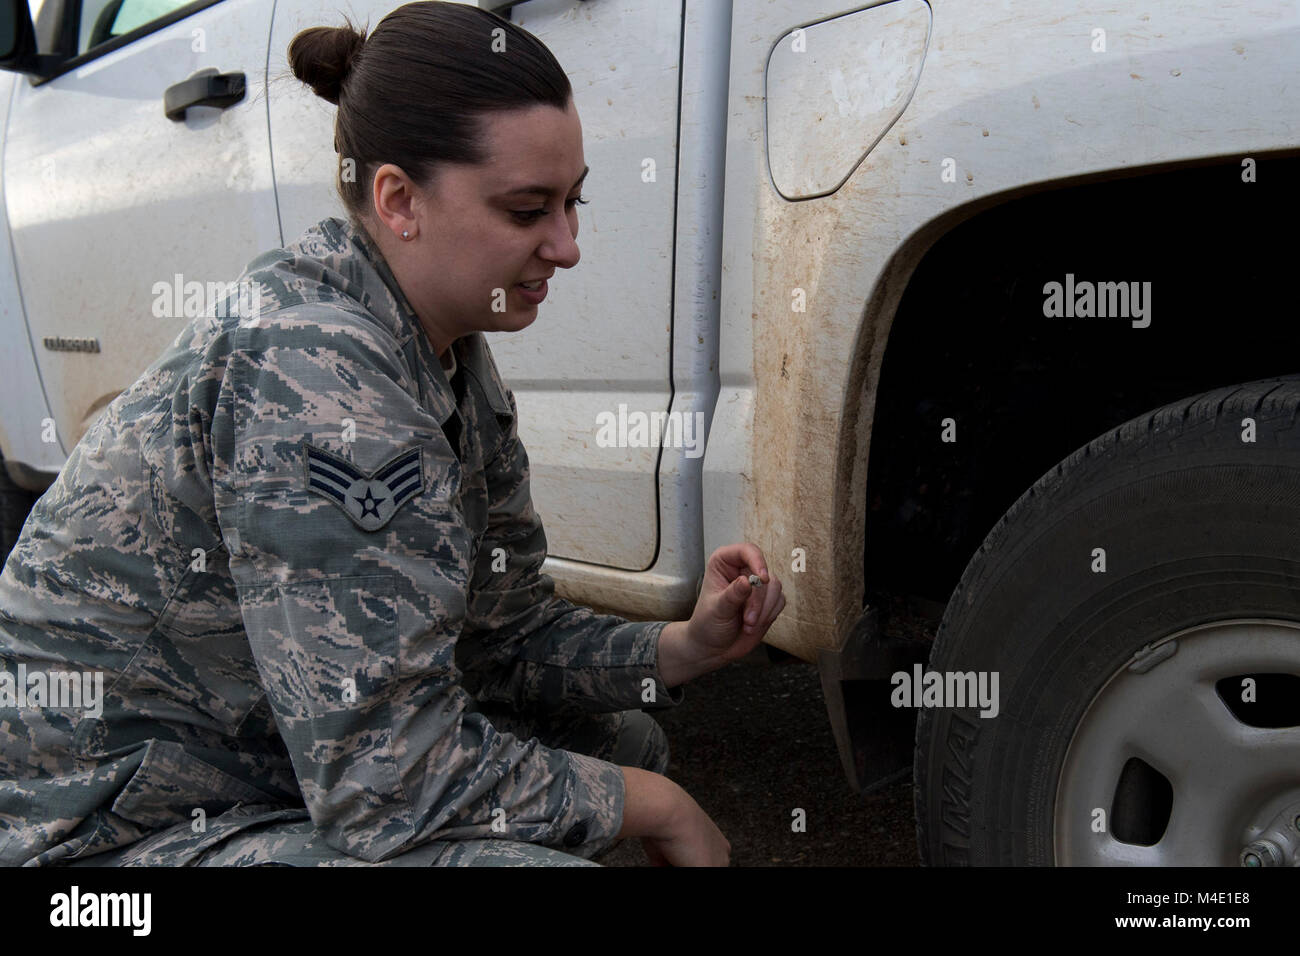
pixel 396 201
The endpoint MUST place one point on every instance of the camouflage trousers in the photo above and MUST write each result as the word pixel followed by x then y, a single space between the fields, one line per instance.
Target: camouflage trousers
pixel 629 738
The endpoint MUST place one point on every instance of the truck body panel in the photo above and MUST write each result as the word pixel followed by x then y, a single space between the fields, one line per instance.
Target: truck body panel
pixel 1014 94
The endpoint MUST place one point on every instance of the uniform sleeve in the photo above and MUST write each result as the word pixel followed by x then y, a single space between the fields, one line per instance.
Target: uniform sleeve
pixel 336 497
pixel 530 649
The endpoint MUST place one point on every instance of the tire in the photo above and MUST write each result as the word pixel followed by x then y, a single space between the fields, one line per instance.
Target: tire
pixel 1124 690
pixel 15 504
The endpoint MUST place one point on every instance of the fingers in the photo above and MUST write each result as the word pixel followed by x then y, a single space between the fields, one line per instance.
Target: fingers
pixel 770 603
pixel 741 558
pixel 776 611
pixel 753 603
pixel 738 561
pixel 764 604
pixel 760 605
pixel 737 594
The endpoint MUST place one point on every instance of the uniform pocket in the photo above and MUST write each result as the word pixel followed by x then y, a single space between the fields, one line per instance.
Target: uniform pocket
pixel 171 784
pixel 324 645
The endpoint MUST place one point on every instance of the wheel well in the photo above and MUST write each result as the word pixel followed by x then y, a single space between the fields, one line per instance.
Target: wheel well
pixel 970 342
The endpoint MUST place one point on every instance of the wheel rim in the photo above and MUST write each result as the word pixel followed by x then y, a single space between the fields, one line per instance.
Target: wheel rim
pixel 1231 784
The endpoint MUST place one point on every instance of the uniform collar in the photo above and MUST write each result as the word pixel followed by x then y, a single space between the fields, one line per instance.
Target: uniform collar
pixel 362 273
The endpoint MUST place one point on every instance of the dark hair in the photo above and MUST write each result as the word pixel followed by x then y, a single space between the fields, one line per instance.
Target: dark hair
pixel 414 92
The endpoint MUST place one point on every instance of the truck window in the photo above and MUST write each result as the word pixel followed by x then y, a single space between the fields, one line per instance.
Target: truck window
pixel 102 20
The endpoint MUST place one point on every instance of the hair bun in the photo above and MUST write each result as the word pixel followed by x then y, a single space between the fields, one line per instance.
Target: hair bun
pixel 322 57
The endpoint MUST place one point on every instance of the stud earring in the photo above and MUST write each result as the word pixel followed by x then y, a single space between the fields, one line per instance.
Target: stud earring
pixel 405 234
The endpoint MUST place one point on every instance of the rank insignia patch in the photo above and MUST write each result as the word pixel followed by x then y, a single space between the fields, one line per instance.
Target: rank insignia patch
pixel 369 500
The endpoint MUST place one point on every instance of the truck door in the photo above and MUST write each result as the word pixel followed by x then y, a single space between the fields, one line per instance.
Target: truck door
pixel 602 337
pixel 605 340
pixel 115 208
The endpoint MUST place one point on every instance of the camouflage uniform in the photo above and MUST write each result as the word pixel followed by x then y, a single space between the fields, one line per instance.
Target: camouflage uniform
pixel 308 567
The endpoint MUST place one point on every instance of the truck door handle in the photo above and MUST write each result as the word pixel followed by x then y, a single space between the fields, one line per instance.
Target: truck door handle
pixel 207 87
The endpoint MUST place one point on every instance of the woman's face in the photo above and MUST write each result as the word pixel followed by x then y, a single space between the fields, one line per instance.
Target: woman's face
pixel 479 231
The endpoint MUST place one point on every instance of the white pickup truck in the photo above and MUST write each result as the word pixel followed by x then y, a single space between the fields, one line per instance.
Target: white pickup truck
pixel 969 309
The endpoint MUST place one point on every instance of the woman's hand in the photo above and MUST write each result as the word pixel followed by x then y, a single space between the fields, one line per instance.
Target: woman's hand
pixel 730 616
pixel 691 838
pixel 674 831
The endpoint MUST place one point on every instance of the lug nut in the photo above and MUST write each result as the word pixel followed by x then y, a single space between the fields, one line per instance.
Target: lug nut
pixel 1261 853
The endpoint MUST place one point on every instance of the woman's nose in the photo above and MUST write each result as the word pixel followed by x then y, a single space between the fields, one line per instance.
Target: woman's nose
pixel 561 245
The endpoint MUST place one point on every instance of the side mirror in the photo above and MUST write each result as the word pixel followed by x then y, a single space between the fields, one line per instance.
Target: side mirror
pixel 18 50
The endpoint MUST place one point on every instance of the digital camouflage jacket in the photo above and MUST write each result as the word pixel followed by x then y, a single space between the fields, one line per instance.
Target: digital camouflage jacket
pixel 300 559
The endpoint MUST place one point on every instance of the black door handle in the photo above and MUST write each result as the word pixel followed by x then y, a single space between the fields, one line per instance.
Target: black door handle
pixel 205 88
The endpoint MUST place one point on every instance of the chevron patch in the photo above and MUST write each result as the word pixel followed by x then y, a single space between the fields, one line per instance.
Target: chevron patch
pixel 370 500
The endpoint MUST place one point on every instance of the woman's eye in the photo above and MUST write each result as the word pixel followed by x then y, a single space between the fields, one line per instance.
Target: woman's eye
pixel 532 215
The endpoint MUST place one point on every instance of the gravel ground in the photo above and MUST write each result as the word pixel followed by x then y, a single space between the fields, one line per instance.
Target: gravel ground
pixel 751 742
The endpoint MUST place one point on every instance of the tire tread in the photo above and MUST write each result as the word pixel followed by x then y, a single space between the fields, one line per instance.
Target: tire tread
pixel 1274 401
